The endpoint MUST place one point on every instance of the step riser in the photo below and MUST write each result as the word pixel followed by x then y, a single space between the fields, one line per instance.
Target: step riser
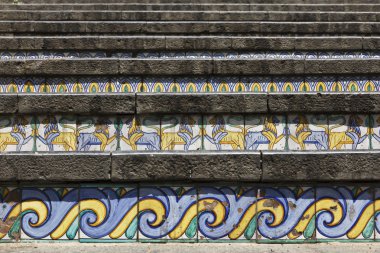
pixel 184 7
pixel 184 16
pixel 188 28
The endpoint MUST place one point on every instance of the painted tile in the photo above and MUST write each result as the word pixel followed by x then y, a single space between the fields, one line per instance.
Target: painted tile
pixel 158 84
pixel 286 214
pixel 90 84
pixel 29 84
pixel 140 133
pixel 256 83
pixel 191 84
pixel 227 213
pixel 286 84
pixel 181 132
pixel 320 83
pixel 225 84
pixel 16 133
pixel 349 132
pixel 56 133
pixel 308 132
pixel 375 131
pixel 265 132
pixel 355 84
pixel 108 213
pixel 376 212
pixel 344 213
pixel 167 213
pixel 49 213
pixel 223 132
pixel 128 84
pixel 10 213
pixel 97 133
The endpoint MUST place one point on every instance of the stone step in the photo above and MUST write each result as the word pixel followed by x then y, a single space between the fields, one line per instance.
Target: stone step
pixel 179 43
pixel 188 27
pixel 188 16
pixel 175 67
pixel 230 166
pixel 197 7
pixel 183 103
pixel 22 2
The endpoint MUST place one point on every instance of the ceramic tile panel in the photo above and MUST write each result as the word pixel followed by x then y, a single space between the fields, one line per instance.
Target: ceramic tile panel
pixel 349 132
pixel 265 132
pixel 140 133
pixel 286 214
pixel 375 131
pixel 225 84
pixel 92 85
pixel 56 133
pixel 17 133
pixel 128 84
pixel 308 132
pixel 28 84
pixel 256 83
pixel 108 213
pixel 97 133
pixel 158 84
pixel 191 84
pixel 286 84
pixel 227 213
pixel 320 83
pixel 10 213
pixel 355 84
pixel 376 212
pixel 181 132
pixel 223 132
pixel 344 213
pixel 49 213
pixel 167 213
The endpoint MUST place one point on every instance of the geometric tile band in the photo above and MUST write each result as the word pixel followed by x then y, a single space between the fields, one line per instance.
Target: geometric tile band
pixel 188 132
pixel 198 213
pixel 231 84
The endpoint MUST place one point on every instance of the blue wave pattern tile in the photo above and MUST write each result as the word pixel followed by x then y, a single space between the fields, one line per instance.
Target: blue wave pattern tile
pixel 205 213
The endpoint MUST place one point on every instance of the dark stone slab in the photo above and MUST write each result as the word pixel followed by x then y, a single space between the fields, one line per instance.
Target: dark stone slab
pixel 116 103
pixel 8 103
pixel 321 166
pixel 324 102
pixel 346 66
pixel 201 103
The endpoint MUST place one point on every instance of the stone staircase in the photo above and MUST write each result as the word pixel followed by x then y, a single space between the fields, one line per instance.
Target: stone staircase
pixel 196 121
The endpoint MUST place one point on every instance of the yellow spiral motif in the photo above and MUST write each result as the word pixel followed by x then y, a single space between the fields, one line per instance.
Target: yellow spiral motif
pixel 124 223
pixel 155 206
pixel 37 207
pixel 66 223
pixel 95 206
pixel 185 222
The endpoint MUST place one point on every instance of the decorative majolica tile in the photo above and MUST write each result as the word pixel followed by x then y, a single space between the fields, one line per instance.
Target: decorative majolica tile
pixel 308 132
pixel 128 84
pixel 140 133
pixel 256 83
pixel 97 133
pixel 376 212
pixel 220 84
pixel 286 213
pixel 158 84
pixel 375 131
pixel 167 213
pixel 17 133
pixel 49 213
pixel 227 213
pixel 191 84
pixel 349 132
pixel 355 84
pixel 92 85
pixel 286 84
pixel 181 132
pixel 320 83
pixel 29 84
pixel 223 132
pixel 10 212
pixel 56 133
pixel 344 213
pixel 108 213
pixel 265 132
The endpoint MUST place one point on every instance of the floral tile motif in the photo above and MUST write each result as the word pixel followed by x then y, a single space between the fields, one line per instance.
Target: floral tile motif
pixel 159 84
pixel 181 132
pixel 320 84
pixel 375 131
pixel 198 84
pixel 140 133
pixel 10 214
pixel 286 214
pixel 256 83
pixel 49 213
pixel 108 213
pixel 17 133
pixel 227 213
pixel 128 84
pixel 286 84
pixel 355 84
pixel 349 132
pixel 223 132
pixel 265 132
pixel 308 132
pixel 226 84
pixel 92 85
pixel 97 133
pixel 344 213
pixel 167 213
pixel 28 84
pixel 56 133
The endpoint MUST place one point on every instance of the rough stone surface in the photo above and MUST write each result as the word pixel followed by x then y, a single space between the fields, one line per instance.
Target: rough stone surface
pixel 8 103
pixel 346 66
pixel 201 103
pixel 226 166
pixel 321 166
pixel 8 172
pixel 324 102
pixel 151 166
pixel 77 103
pixel 59 167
